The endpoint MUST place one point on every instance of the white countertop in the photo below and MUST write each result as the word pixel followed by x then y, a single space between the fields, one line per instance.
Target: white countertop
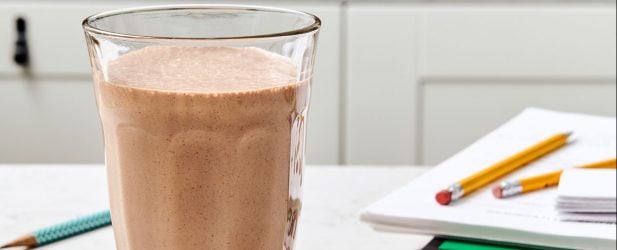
pixel 34 196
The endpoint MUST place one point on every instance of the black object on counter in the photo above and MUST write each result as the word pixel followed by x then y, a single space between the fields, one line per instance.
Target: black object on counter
pixel 22 55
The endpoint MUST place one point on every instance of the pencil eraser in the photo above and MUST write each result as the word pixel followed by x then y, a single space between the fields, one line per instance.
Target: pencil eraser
pixel 444 197
pixel 498 192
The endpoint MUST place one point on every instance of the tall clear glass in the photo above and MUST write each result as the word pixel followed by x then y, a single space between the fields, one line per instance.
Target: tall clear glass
pixel 203 110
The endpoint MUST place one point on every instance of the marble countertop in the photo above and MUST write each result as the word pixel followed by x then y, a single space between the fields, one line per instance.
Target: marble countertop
pixel 33 196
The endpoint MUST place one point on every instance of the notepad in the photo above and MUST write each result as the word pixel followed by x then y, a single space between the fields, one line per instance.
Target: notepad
pixel 529 219
pixel 588 195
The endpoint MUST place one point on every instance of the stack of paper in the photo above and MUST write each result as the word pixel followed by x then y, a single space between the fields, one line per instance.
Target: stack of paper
pixel 529 219
pixel 588 195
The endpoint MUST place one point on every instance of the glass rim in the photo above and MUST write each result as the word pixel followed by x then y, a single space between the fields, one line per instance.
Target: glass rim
pixel 88 27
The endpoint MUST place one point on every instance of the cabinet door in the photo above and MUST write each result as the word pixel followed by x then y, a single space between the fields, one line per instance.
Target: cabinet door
pixel 484 65
pixel 381 84
pixel 425 80
pixel 54 35
pixel 49 121
pixel 59 65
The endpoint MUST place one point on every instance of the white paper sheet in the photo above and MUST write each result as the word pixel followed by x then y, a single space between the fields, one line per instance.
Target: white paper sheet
pixel 529 218
pixel 588 195
pixel 588 184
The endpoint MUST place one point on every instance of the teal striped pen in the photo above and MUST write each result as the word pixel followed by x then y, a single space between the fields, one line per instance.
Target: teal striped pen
pixel 62 231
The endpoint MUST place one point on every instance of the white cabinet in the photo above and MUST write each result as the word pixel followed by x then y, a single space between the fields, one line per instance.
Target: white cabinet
pixel 55 38
pixel 426 80
pixel 48 113
pixel 558 41
pixel 481 66
pixel 50 116
pixel 381 85
pixel 395 83
pixel 49 121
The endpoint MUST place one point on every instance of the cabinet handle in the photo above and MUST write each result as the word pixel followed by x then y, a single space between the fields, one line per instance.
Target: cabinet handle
pixel 22 55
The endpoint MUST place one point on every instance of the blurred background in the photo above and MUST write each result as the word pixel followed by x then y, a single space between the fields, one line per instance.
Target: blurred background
pixel 396 82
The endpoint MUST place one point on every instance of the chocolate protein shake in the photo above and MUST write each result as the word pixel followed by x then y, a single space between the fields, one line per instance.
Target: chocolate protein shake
pixel 203 147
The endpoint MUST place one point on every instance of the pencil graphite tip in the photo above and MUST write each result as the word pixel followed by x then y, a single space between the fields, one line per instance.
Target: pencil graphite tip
pixel 498 192
pixel 443 197
pixel 572 139
pixel 24 242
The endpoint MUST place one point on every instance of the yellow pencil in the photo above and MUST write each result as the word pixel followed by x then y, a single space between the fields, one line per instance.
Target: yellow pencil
pixel 494 172
pixel 530 184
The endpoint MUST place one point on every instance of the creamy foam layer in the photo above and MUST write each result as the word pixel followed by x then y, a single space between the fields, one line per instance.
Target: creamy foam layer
pixel 202 69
